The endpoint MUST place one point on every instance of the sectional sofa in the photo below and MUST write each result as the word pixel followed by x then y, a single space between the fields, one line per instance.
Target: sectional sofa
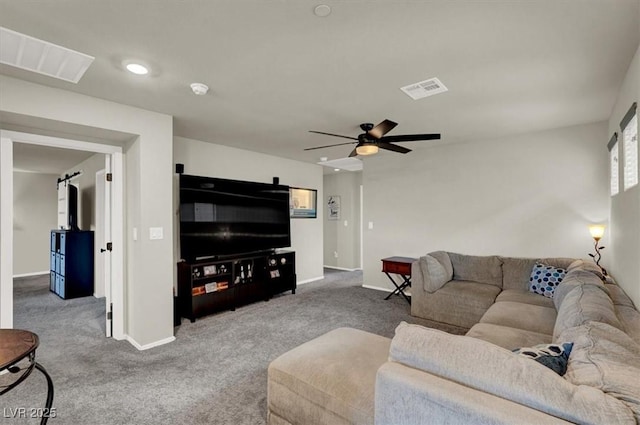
pixel 423 375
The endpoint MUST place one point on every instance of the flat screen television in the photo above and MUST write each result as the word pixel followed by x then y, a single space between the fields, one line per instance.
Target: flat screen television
pixel 220 217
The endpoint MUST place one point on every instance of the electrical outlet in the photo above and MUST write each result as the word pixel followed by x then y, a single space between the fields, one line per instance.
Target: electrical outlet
pixel 335 254
pixel 371 225
pixel 346 223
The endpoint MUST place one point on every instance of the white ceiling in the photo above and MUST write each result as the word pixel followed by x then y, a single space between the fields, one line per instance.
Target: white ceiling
pixel 45 159
pixel 275 70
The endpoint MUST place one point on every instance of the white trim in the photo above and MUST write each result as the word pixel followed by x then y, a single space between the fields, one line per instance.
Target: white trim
pixel 377 288
pixel 407 293
pixel 361 227
pixel 118 240
pixel 341 268
pixel 78 145
pixel 6 232
pixel 302 282
pixel 151 345
pixel 31 274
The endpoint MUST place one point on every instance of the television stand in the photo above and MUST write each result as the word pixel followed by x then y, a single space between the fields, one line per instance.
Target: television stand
pixel 209 286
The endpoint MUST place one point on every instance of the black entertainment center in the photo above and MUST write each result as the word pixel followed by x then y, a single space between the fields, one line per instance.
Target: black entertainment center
pixel 230 233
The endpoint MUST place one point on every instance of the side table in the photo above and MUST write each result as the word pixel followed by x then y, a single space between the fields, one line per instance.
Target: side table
pixel 18 346
pixel 402 267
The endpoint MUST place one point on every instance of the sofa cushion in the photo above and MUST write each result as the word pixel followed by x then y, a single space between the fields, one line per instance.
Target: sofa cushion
pixel 587 266
pixel 553 356
pixel 525 297
pixel 529 317
pixel 585 303
pixel 505 337
pixel 544 279
pixel 330 379
pixel 486 367
pixel 435 273
pixel 606 358
pixel 481 269
pixel 458 302
pixel 516 272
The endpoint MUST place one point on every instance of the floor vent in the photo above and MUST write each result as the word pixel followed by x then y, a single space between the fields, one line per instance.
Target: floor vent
pixel 424 88
pixel 32 54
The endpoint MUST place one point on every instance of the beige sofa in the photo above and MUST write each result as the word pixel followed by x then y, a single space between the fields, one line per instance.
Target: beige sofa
pixel 423 375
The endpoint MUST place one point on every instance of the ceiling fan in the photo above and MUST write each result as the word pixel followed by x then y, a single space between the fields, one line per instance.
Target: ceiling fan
pixel 374 138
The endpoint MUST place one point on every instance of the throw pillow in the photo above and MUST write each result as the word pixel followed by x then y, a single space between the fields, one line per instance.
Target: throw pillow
pixel 553 356
pixel 544 279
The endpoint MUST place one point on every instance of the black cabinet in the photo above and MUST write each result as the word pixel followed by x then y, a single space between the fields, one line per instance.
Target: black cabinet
pixel 71 263
pixel 206 287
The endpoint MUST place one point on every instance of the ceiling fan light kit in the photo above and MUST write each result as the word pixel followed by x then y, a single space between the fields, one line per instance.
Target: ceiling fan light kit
pixel 373 139
pixel 368 149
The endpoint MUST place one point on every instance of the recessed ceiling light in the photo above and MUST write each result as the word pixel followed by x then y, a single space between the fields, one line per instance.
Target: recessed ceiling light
pixel 323 158
pixel 137 68
pixel 336 169
pixel 322 10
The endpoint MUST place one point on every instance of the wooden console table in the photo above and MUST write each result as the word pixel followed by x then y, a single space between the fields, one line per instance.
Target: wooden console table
pixel 402 267
pixel 18 354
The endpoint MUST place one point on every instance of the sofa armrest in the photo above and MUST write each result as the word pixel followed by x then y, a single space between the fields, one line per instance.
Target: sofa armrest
pixel 486 367
pixel 409 396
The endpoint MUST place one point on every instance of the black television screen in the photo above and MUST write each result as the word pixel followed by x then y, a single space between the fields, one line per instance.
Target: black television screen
pixel 221 217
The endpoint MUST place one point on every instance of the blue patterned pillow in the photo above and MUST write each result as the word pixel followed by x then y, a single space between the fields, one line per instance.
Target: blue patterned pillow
pixel 553 356
pixel 544 279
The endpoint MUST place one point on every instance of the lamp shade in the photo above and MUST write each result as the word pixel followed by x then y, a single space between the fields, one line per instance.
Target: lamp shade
pixel 366 149
pixel 596 230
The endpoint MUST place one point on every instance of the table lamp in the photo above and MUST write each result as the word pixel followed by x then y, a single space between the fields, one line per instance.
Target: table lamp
pixel 597 231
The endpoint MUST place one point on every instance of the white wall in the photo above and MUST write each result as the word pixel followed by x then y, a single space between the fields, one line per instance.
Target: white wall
pixel 149 263
pixel 338 237
pixel 531 195
pixel 35 214
pixel 625 206
pixel 210 160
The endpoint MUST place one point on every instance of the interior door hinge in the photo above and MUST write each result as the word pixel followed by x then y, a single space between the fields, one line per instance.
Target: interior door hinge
pixel 109 177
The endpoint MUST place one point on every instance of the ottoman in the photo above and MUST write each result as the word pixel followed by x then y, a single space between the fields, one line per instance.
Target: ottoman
pixel 328 380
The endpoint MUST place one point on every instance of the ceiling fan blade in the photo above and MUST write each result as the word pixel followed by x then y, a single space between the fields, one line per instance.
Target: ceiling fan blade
pixel 390 147
pixel 334 135
pixel 381 129
pixel 353 153
pixel 330 146
pixel 409 138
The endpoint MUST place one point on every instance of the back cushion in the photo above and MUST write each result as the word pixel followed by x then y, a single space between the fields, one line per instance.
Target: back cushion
pixel 583 304
pixel 516 272
pixel 574 278
pixel 481 269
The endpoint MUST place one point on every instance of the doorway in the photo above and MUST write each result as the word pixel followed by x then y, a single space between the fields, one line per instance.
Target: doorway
pixel 113 219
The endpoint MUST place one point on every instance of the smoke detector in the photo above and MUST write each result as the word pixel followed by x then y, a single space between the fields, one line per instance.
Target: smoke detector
pixel 199 89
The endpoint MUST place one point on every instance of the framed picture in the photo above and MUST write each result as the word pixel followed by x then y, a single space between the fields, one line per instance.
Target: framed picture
pixel 333 207
pixel 303 202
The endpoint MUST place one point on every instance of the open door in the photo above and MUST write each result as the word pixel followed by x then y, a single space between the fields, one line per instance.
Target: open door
pixel 113 249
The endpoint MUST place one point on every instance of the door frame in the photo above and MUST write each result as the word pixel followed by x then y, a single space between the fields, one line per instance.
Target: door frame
pixel 115 155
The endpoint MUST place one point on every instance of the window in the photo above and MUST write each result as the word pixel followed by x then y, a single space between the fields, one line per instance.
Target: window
pixel 629 126
pixel 614 165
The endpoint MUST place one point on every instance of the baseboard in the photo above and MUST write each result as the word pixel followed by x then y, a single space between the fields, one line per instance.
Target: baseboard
pixel 377 288
pixel 151 345
pixel 342 268
pixel 384 289
pixel 313 279
pixel 31 274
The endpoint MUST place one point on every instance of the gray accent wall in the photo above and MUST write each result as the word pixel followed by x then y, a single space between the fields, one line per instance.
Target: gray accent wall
pixel 531 195
pixel 342 237
pixel 35 214
pixel 625 206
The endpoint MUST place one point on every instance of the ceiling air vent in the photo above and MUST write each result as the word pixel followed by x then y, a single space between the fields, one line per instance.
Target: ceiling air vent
pixel 424 88
pixel 25 52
